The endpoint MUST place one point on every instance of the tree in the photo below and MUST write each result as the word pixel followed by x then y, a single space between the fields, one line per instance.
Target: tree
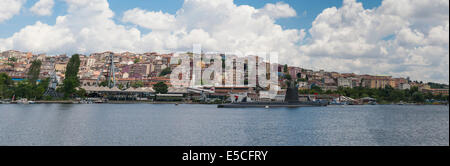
pixel 137 84
pixel 439 97
pixel 160 88
pixel 81 93
pixel 316 88
pixel 12 59
pixel 287 77
pixel 429 95
pixel 73 66
pixel 165 71
pixel 33 73
pixel 301 80
pixel 71 81
pixel 121 86
pixel 23 89
pixel 285 68
pixel 6 84
pixel 105 83
pixel 418 97
pixel 39 90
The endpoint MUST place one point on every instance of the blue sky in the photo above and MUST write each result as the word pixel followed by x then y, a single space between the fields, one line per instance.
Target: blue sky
pixel 400 38
pixel 306 10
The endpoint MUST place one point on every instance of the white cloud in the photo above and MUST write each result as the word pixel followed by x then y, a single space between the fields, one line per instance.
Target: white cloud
pixel 43 7
pixel 9 8
pixel 150 20
pixel 219 25
pixel 87 27
pixel 278 10
pixel 42 38
pixel 401 38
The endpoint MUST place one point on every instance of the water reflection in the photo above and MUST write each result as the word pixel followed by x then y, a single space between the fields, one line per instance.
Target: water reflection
pixel 146 124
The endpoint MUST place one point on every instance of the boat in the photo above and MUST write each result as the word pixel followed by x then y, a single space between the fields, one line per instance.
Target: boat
pixel 25 101
pixel 373 103
pixel 5 102
pixel 291 101
pixel 335 102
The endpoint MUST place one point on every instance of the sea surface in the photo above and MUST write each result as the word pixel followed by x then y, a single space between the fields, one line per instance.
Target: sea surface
pixel 199 125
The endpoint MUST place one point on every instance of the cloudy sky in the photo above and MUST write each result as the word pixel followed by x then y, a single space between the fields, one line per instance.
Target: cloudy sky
pixel 382 37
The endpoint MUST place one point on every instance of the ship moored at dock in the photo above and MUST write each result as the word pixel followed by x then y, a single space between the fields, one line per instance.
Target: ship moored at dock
pixel 291 101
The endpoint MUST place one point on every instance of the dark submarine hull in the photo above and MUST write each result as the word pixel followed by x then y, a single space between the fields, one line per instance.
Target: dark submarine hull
pixel 291 101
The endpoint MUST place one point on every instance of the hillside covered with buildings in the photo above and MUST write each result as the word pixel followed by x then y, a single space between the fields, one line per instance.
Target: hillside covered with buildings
pixel 145 70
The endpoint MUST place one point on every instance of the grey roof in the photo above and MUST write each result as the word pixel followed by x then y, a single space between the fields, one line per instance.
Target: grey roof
pixel 115 89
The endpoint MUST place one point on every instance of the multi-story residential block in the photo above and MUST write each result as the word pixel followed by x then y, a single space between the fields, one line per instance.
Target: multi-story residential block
pixel 404 86
pixel 443 92
pixel 377 81
pixel 90 62
pixel 345 82
pixel 329 81
pixel 294 72
pixel 136 70
pixel 61 67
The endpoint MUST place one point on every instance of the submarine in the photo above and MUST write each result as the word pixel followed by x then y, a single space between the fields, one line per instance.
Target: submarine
pixel 291 101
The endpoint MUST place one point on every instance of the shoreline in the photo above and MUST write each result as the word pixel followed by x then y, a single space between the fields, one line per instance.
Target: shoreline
pixel 177 103
pixel 110 102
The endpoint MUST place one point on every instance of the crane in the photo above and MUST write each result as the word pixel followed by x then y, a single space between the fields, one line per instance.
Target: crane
pixel 111 70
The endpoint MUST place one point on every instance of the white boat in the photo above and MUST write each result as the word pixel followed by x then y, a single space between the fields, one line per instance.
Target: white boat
pixel 5 102
pixel 25 101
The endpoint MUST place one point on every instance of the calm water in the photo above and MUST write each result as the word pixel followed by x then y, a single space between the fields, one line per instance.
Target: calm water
pixel 207 125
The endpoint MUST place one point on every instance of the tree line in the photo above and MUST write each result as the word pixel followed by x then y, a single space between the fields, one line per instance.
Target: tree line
pixel 28 88
pixel 383 95
pixel 34 89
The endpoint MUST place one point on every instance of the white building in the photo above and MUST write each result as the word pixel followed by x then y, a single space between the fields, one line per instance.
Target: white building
pixel 345 82
pixel 90 62
pixel 404 86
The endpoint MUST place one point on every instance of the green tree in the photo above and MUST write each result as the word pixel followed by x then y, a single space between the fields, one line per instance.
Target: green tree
pixel 285 68
pixel 316 89
pixel 429 95
pixel 165 72
pixel 81 93
pixel 40 89
pixel 23 89
pixel 104 83
pixel 6 84
pixel 33 72
pixel 71 81
pixel 137 84
pixel 418 97
pixel 301 80
pixel 287 77
pixel 160 88
pixel 121 86
pixel 12 59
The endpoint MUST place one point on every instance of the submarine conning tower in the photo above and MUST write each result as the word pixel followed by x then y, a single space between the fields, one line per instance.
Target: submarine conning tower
pixel 291 93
